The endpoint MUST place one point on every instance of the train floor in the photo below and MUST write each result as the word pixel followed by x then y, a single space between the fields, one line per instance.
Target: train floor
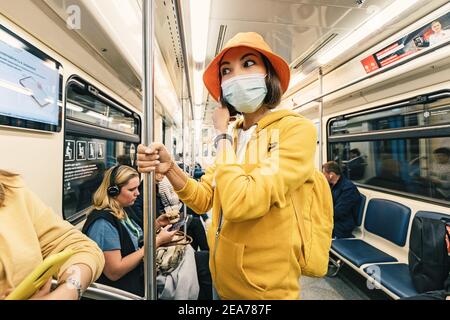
pixel 346 285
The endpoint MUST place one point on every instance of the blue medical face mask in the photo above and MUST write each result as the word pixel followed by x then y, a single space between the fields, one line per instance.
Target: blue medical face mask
pixel 245 93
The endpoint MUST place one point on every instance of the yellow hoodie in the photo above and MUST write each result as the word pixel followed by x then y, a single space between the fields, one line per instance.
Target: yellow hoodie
pixel 255 253
pixel 30 232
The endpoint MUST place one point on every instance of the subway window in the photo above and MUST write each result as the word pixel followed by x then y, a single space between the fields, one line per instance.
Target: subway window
pixel 403 148
pixel 99 134
pixel 87 105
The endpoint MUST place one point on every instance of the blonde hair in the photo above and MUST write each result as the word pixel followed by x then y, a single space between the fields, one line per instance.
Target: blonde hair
pixel 3 185
pixel 102 200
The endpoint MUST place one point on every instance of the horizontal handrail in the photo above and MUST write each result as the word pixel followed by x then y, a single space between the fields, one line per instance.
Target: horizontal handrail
pixel 101 292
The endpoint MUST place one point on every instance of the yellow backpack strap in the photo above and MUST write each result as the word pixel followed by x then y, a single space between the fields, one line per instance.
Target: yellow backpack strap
pixel 301 202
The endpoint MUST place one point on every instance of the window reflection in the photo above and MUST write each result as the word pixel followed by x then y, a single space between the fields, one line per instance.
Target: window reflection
pixel 83 106
pixel 418 115
pixel 417 166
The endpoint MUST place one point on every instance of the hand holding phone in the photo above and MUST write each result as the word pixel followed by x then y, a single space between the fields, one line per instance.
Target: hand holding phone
pixel 178 225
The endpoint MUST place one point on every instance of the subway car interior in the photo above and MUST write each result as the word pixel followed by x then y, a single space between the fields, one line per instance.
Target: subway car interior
pixel 83 83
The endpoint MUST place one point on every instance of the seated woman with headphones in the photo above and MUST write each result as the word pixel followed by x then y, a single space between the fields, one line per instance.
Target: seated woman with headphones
pixel 112 225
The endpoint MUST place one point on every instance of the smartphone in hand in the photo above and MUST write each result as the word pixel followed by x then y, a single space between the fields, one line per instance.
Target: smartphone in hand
pixel 178 225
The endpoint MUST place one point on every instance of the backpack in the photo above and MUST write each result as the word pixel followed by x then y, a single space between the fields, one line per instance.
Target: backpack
pixel 315 222
pixel 428 257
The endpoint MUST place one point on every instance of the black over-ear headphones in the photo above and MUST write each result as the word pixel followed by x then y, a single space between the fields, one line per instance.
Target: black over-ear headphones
pixel 113 189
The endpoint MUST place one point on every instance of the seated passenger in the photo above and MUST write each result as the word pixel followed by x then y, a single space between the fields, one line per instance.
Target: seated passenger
pixel 346 200
pixel 30 232
pixel 115 230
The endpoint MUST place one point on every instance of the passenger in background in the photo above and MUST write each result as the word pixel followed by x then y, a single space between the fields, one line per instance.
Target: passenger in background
pixel 198 172
pixel 440 172
pixel 170 202
pixel 256 244
pixel 30 232
pixel 138 205
pixel 346 200
pixel 112 225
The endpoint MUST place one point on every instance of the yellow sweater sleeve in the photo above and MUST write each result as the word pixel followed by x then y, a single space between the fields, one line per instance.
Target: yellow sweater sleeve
pixel 290 164
pixel 55 235
pixel 199 195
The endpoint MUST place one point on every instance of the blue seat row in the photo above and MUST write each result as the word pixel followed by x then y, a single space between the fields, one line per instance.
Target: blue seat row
pixel 389 220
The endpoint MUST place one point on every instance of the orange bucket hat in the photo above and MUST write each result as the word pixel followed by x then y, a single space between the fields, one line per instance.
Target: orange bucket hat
pixel 252 40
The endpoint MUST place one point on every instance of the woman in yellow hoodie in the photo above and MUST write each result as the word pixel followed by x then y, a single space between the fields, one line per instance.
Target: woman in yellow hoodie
pixel 30 232
pixel 254 238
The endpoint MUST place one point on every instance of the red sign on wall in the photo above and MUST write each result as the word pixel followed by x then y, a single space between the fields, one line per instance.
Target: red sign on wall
pixel 370 64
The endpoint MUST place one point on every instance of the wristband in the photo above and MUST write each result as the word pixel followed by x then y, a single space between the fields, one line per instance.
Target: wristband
pixel 220 137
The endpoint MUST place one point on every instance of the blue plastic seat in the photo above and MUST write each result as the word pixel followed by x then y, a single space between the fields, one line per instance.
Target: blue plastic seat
pixel 360 212
pixel 385 218
pixel 394 277
pixel 388 219
pixel 359 252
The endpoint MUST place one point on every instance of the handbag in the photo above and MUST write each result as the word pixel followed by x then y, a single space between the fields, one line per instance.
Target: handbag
pixel 170 255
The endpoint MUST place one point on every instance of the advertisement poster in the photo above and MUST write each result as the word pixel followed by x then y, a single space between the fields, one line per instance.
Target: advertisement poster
pixel 29 84
pixel 428 36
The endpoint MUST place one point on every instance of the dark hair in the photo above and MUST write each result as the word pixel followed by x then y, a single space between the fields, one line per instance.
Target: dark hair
pixel 442 150
pixel 274 91
pixel 355 151
pixel 332 166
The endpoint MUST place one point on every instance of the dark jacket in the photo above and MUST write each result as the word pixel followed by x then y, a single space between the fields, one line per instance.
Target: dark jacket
pixel 133 281
pixel 346 201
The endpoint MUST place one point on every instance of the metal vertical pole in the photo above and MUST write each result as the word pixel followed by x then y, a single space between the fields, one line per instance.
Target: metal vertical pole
pixel 149 120
pixel 320 77
pixel 184 125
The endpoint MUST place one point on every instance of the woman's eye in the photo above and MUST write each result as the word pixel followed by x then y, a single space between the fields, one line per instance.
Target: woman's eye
pixel 225 71
pixel 249 63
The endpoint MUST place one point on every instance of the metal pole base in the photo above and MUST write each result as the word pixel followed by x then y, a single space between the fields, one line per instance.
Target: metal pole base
pixel 334 267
